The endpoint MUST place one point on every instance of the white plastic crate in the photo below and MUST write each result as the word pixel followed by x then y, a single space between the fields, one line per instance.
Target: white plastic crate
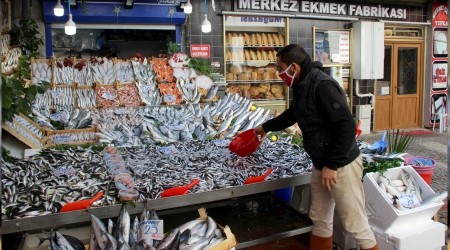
pixel 425 236
pixel 384 215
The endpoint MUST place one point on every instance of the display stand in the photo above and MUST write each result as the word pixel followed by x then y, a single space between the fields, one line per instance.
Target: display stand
pixel 216 202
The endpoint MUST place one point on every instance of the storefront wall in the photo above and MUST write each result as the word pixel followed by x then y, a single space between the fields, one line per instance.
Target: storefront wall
pixel 301 32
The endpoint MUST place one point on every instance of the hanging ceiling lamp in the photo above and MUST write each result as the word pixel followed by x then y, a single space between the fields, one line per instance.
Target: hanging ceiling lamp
pixel 58 10
pixel 70 28
pixel 206 25
pixel 188 7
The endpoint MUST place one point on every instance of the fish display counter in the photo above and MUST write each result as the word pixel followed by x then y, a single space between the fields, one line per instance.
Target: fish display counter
pixel 36 188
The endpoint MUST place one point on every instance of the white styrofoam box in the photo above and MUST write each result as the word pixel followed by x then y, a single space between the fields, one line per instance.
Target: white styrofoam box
pixel 384 215
pixel 424 236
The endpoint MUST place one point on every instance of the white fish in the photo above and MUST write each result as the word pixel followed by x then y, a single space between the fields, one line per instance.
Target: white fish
pixel 390 189
pixel 190 224
pixel 262 119
pixel 212 92
pixel 100 231
pixel 436 198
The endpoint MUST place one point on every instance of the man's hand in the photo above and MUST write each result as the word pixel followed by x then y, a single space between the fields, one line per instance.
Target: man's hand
pixel 329 178
pixel 260 131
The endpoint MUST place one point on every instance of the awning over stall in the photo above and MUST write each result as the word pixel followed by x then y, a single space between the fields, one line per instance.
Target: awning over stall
pixel 150 12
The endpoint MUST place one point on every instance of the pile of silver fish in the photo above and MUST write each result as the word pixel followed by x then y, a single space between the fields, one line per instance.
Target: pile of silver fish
pixel 40 71
pixel 212 163
pixel 133 234
pixel 167 124
pixel 43 183
pixel 60 241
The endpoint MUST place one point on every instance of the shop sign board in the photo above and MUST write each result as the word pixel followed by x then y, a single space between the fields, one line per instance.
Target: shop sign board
pixel 366 10
pixel 439 81
pixel 255 21
pixel 439 75
pixel 200 50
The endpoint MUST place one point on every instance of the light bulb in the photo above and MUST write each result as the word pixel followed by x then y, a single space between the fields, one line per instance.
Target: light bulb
pixel 70 28
pixel 58 10
pixel 188 7
pixel 206 25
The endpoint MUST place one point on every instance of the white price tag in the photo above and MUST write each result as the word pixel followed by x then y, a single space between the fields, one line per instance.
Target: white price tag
pixel 108 96
pixel 153 229
pixel 177 127
pixel 121 111
pixel 409 200
pixel 221 142
pixel 64 170
pixel 61 139
pixel 56 116
pixel 60 117
pixel 147 88
pixel 57 94
pixel 170 98
pixel 160 118
pixel 168 150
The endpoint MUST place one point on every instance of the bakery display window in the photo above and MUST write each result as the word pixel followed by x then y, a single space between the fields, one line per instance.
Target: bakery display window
pixel 251 44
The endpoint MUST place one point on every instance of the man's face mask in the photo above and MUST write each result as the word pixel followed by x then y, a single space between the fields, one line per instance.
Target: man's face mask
pixel 288 79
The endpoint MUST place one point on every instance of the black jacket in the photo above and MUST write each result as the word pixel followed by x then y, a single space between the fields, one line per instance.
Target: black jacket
pixel 320 108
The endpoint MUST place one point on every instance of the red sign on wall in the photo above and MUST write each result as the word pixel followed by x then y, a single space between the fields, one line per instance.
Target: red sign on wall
pixel 200 50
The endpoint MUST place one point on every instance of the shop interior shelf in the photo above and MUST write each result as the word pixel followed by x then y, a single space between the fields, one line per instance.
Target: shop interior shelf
pixel 254 220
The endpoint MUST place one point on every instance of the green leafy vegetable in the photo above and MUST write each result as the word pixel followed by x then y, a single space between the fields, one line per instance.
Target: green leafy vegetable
pixel 202 66
pixel 398 142
pixel 381 166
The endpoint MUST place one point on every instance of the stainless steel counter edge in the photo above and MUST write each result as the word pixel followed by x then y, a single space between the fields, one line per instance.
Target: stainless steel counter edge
pixel 69 218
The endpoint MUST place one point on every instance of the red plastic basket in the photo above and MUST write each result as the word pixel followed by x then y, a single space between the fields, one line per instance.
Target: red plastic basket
pixel 245 144
pixel 425 171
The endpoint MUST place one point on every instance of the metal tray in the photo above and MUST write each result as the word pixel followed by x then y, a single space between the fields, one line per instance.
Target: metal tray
pixel 58 220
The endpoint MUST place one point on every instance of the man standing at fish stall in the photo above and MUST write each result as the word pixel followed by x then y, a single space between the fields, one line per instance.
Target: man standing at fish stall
pixel 319 107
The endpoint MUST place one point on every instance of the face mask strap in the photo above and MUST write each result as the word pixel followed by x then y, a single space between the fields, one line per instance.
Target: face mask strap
pixel 286 71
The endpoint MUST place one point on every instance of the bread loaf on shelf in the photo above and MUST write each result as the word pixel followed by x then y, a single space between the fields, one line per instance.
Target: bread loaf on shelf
pixel 247 55
pixel 247 39
pixel 229 39
pixel 254 40
pixel 270 39
pixel 258 39
pixel 264 39
pixel 276 41
pixel 281 38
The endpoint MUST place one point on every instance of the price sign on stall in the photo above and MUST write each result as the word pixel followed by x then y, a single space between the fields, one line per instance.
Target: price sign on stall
pixel 58 116
pixel 177 127
pixel 409 200
pixel 168 150
pixel 200 50
pixel 152 229
pixel 221 142
pixel 169 98
pixel 64 170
